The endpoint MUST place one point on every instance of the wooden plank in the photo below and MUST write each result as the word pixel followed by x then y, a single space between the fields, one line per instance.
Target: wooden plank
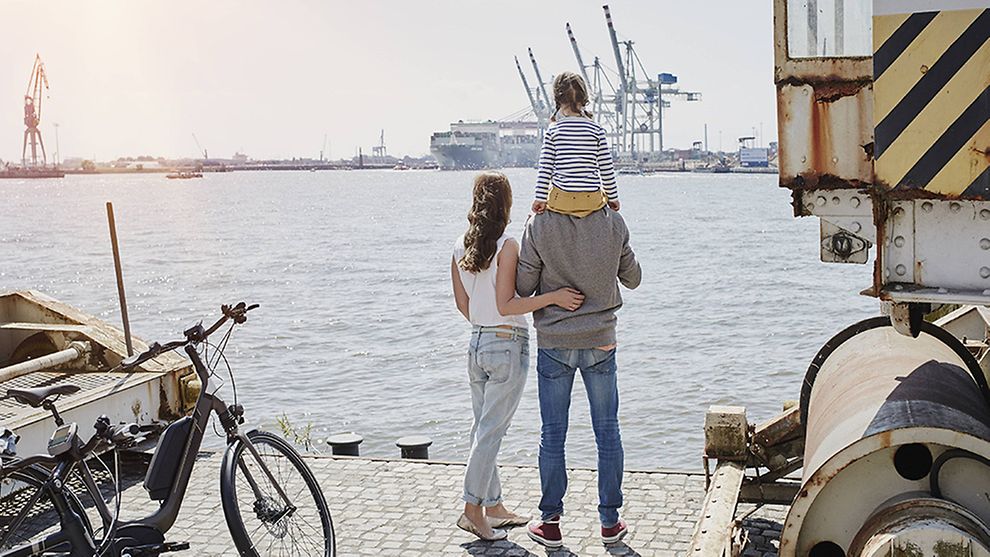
pixel 714 529
pixel 781 428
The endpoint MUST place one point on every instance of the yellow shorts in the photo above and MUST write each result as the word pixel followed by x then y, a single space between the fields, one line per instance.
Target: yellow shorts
pixel 578 204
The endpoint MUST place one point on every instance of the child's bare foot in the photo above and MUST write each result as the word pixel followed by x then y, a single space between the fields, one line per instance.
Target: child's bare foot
pixel 539 207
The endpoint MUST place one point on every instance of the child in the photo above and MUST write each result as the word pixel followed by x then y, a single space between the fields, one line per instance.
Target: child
pixel 576 174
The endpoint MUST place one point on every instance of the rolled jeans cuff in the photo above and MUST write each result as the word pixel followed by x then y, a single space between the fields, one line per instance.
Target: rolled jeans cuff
pixel 468 498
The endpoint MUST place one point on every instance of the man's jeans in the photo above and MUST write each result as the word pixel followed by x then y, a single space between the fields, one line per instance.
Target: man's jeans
pixel 555 368
pixel 498 360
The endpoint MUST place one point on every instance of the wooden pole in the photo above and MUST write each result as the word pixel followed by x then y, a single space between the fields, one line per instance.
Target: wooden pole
pixel 120 279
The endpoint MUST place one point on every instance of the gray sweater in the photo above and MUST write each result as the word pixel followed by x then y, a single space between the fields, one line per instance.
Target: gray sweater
pixel 587 254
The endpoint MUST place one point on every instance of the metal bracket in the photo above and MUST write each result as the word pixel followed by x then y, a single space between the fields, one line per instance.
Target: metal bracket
pixel 841 246
pixel 908 317
pixel 847 230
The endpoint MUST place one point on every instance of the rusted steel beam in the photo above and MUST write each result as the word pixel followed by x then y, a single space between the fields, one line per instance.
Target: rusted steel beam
pixel 775 474
pixel 713 533
pixel 776 493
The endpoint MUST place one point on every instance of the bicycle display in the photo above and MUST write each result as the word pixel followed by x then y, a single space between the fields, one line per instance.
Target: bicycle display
pixel 271 500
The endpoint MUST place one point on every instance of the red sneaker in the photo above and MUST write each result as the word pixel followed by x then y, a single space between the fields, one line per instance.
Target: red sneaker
pixel 615 533
pixel 546 532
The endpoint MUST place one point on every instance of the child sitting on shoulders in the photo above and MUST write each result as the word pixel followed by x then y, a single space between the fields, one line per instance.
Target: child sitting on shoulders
pixel 576 176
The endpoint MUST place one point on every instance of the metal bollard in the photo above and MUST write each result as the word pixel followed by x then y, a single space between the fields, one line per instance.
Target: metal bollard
pixel 345 444
pixel 415 447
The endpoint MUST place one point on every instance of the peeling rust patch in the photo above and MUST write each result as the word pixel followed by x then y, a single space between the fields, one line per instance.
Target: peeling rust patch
pixel 815 181
pixel 822 78
pixel 829 92
pixel 868 150
pixel 881 209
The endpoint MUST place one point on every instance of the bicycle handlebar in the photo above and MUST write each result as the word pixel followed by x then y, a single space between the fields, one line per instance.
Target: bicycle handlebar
pixel 121 435
pixel 194 335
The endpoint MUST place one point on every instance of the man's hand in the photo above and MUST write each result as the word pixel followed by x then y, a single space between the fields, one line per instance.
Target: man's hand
pixel 614 205
pixel 539 207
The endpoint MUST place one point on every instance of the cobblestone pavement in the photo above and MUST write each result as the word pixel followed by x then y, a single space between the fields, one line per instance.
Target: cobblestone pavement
pixel 409 508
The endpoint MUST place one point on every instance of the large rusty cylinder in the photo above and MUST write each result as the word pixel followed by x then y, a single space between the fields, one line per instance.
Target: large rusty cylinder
pixel 880 410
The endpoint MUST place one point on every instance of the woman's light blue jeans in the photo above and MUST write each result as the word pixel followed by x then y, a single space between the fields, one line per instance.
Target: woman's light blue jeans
pixel 498 361
pixel 555 368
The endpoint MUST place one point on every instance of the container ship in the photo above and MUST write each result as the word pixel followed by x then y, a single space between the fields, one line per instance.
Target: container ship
pixel 491 144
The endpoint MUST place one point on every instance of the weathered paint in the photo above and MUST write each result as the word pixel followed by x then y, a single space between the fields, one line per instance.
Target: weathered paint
pixel 869 392
pixel 932 102
pixel 147 396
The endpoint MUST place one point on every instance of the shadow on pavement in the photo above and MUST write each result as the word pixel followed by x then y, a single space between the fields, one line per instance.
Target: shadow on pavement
pixel 506 547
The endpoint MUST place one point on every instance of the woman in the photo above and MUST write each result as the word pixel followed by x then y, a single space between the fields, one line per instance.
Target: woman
pixel 483 274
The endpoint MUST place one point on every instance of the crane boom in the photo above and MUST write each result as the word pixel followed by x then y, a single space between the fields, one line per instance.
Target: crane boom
pixel 542 88
pixel 205 155
pixel 577 55
pixel 615 50
pixel 534 102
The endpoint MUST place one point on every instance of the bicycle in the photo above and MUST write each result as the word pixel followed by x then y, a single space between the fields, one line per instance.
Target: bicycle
pixel 271 500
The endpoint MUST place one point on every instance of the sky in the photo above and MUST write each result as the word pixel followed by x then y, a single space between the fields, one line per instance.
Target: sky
pixel 271 79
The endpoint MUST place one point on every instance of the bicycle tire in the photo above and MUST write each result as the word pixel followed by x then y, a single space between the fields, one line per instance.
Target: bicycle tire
pixel 252 521
pixel 34 477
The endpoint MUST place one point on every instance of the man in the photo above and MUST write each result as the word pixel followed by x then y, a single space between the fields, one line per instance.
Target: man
pixel 587 254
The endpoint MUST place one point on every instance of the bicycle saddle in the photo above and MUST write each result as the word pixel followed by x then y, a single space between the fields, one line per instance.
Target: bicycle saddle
pixel 35 397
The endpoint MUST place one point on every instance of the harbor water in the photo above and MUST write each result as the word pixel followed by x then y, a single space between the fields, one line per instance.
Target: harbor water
pixel 357 329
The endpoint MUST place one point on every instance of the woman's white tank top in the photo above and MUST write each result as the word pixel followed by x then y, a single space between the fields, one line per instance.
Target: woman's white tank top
pixel 480 287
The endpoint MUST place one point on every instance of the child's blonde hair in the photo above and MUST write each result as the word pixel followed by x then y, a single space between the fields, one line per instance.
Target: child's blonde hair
pixel 570 91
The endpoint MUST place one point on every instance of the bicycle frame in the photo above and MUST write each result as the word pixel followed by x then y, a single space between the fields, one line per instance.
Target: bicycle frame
pixel 163 519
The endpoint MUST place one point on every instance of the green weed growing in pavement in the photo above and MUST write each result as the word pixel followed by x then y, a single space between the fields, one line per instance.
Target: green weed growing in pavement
pixel 301 436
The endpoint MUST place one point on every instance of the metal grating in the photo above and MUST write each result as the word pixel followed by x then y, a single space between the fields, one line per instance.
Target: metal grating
pixel 87 382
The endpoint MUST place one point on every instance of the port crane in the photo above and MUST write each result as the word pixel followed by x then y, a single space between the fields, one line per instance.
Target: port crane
pixel 379 151
pixel 639 105
pixel 37 84
pixel 630 110
pixel 602 103
pixel 206 156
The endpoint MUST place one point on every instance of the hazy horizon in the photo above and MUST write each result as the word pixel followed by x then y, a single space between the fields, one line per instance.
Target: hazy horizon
pixel 139 78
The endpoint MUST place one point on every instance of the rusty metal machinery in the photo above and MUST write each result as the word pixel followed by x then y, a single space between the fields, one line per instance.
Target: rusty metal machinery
pixel 896 451
pixel 884 135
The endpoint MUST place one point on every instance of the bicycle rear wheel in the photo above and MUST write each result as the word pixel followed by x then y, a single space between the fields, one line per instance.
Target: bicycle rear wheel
pixel 27 513
pixel 260 521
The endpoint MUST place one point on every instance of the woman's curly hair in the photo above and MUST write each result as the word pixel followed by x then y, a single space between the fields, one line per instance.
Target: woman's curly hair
pixel 487 220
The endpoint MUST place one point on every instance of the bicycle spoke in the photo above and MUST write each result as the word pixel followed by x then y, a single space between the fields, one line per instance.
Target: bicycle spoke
pixel 265 481
pixel 21 516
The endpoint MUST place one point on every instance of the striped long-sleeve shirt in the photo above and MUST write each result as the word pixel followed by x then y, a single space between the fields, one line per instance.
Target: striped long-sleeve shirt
pixel 575 157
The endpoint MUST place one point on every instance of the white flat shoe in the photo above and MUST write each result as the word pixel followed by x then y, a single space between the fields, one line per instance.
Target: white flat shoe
pixel 464 523
pixel 507 521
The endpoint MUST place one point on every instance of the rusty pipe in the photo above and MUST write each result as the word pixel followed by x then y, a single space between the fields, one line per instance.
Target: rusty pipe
pixel 76 350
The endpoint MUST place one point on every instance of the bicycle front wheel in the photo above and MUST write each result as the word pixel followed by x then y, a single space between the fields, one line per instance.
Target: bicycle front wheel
pixel 272 502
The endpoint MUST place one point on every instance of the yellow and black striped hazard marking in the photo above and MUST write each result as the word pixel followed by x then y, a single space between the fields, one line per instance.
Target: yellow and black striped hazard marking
pixel 931 106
